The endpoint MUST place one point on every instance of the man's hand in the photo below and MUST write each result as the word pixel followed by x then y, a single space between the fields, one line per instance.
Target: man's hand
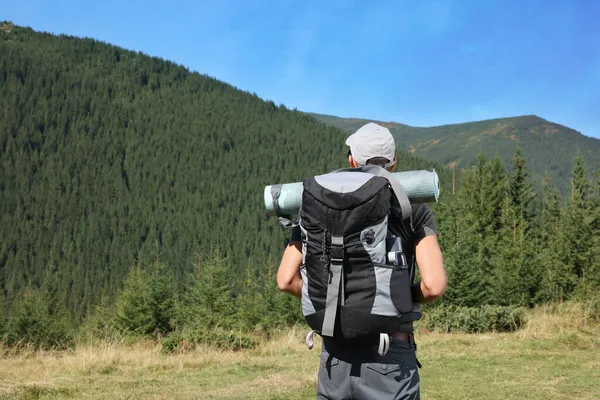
pixel 288 274
pixel 431 269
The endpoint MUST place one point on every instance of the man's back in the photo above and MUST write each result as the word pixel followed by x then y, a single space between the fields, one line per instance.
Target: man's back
pixel 350 371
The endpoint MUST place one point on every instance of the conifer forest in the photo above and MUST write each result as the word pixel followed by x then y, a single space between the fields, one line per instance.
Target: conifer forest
pixel 131 198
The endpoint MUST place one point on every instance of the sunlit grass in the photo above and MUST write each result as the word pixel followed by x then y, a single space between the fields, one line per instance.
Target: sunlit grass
pixel 556 355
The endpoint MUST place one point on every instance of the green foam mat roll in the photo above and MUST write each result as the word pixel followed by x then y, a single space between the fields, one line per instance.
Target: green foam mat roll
pixel 421 186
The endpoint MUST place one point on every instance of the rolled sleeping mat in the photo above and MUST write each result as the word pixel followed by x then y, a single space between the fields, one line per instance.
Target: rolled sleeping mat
pixel 421 186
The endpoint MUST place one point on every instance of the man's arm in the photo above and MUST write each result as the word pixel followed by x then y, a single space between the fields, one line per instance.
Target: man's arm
pixel 431 269
pixel 288 274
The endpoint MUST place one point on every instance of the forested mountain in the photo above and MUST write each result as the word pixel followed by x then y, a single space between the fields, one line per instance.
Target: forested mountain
pixel 549 147
pixel 109 157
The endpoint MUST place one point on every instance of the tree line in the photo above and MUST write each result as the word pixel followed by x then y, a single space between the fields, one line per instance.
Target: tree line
pixel 506 244
pixel 504 249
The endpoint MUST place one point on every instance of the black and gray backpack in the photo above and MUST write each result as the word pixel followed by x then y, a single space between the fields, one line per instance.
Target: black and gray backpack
pixel 355 275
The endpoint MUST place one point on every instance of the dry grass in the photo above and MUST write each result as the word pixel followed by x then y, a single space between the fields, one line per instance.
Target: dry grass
pixel 141 371
pixel 551 320
pixel 555 356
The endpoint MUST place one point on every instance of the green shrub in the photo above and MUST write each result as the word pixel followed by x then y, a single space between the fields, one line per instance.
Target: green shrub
pixel 219 338
pixel 172 342
pixel 32 324
pixel 146 304
pixel 486 318
pixel 101 326
pixel 224 339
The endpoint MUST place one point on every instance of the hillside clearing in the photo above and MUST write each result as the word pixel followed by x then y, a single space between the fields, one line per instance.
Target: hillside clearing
pixel 553 357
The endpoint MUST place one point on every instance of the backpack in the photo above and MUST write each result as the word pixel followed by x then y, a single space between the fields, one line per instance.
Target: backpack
pixel 355 276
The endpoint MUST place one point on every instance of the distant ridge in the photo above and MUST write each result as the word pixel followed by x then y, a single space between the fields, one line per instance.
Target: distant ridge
pixel 549 148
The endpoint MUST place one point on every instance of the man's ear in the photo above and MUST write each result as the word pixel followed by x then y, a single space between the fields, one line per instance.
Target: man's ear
pixel 390 169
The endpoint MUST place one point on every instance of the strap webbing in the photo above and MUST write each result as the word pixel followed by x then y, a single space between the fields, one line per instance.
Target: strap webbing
pixel 333 290
pixel 399 191
pixel 275 192
pixel 284 220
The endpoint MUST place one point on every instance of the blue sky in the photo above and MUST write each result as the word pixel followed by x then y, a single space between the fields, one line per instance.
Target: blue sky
pixel 422 63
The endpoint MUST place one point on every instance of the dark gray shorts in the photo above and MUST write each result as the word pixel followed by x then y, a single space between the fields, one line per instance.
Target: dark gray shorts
pixel 360 373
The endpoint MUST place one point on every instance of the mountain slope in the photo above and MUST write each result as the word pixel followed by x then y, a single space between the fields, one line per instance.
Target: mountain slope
pixel 108 157
pixel 549 148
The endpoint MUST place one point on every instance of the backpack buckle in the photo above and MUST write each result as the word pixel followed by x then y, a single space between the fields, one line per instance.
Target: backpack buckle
pixel 337 249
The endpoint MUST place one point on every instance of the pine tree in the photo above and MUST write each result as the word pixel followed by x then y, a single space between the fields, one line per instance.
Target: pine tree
pixel 250 305
pixel 579 220
pixel 518 276
pixel 520 190
pixel 550 210
pixel 146 304
pixel 209 298
pixel 134 304
pixel 464 283
pixel 33 323
pixel 572 240
pixel 471 261
pixel 592 271
pixel 556 278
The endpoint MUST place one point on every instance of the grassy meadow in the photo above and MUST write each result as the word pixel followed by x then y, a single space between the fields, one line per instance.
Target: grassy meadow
pixel 556 356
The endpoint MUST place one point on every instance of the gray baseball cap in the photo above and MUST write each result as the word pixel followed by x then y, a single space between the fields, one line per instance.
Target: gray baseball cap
pixel 370 141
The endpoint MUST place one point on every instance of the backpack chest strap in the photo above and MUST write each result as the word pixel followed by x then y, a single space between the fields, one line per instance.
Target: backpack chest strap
pixel 335 287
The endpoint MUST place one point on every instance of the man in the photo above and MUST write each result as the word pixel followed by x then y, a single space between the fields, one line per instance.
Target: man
pixel 358 372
